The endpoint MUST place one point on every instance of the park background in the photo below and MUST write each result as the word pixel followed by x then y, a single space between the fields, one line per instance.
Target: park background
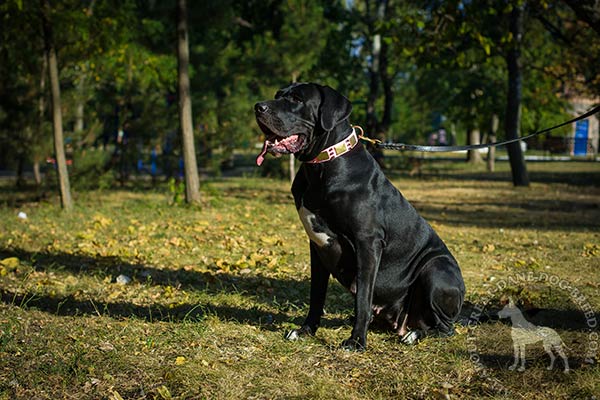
pixel 112 286
pixel 411 69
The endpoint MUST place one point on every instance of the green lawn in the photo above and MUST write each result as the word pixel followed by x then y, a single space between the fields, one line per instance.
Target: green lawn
pixel 215 287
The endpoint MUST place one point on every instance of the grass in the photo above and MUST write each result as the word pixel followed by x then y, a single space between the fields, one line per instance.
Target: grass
pixel 215 287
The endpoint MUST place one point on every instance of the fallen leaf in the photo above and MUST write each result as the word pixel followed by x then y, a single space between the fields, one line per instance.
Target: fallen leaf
pixel 488 248
pixel 10 263
pixel 115 395
pixel 106 347
pixel 272 262
pixel 271 240
pixel 101 221
pixel 164 392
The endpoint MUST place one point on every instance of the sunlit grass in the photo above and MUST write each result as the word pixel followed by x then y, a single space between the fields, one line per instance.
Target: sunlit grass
pixel 214 287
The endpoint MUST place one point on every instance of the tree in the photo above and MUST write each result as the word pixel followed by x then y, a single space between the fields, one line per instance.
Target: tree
pixel 255 48
pixel 475 37
pixel 512 120
pixel 417 63
pixel 588 11
pixel 192 184
pixel 59 148
pixel 380 27
pixel 23 72
pixel 378 58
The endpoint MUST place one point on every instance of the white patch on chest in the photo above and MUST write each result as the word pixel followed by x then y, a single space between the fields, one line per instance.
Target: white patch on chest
pixel 321 239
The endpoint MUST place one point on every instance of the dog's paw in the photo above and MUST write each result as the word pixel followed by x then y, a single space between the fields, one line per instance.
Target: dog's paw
pixel 293 335
pixel 354 344
pixel 411 338
pixel 296 334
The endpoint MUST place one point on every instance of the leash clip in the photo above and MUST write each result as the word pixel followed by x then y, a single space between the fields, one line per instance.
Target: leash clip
pixel 362 136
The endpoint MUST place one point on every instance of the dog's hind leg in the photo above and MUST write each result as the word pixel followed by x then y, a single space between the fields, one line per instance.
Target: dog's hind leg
pixel 437 298
pixel 559 349
pixel 416 311
pixel 548 349
pixel 404 327
pixel 522 356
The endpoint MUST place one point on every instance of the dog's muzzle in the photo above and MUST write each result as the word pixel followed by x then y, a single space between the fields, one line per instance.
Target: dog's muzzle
pixel 275 143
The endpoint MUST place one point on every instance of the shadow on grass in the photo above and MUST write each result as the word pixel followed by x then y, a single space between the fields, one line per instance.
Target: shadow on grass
pixel 499 364
pixel 268 194
pixel 576 178
pixel 571 324
pixel 456 169
pixel 71 306
pixel 542 214
pixel 284 295
pixel 280 296
pixel 568 319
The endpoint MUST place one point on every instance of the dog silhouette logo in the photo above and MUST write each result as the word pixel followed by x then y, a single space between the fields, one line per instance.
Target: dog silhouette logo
pixel 524 332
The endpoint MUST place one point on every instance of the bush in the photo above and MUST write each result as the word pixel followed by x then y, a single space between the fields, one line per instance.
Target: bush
pixel 91 170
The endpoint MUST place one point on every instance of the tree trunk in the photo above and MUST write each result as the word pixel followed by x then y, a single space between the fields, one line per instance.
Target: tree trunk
pixel 37 176
pixel 474 156
pixel 373 86
pixel 491 156
pixel 518 168
pixel 452 133
pixel 37 157
pixel 292 168
pixel 387 81
pixel 59 148
pixel 192 182
pixel 21 171
pixel 79 111
pixel 292 163
pixel 374 68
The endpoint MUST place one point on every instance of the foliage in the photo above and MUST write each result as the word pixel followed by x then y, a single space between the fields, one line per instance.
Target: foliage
pixel 177 191
pixel 465 48
pixel 118 68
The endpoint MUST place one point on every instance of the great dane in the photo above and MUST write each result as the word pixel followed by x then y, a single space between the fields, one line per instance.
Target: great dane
pixel 361 229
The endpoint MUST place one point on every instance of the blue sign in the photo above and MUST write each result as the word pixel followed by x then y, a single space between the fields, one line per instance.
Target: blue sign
pixel 581 137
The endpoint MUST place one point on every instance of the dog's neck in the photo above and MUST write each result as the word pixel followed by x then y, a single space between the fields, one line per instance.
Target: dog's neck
pixel 325 139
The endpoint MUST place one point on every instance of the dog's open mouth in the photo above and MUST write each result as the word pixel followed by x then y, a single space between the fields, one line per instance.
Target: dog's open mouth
pixel 280 145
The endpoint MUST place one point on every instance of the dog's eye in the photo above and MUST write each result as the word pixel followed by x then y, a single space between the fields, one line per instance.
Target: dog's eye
pixel 295 98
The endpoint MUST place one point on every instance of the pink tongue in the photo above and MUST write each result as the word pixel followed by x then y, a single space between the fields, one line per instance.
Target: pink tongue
pixel 261 156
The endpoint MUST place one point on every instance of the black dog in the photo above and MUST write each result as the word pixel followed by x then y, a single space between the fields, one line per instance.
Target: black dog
pixel 362 231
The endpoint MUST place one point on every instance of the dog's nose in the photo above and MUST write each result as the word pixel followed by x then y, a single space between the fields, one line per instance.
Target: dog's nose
pixel 261 108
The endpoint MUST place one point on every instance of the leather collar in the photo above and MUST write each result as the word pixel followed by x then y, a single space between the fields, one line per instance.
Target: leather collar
pixel 336 150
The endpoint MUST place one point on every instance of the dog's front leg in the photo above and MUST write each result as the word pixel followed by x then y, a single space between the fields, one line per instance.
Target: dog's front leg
pixel 368 253
pixel 319 278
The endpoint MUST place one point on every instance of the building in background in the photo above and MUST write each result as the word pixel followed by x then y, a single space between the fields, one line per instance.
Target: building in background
pixel 586 133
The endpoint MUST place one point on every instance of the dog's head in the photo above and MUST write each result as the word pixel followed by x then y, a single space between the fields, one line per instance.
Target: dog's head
pixel 299 114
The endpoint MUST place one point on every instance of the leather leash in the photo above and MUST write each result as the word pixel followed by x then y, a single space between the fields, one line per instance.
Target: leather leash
pixel 439 149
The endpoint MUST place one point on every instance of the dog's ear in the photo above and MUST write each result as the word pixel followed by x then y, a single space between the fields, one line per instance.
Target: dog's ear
pixel 334 108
